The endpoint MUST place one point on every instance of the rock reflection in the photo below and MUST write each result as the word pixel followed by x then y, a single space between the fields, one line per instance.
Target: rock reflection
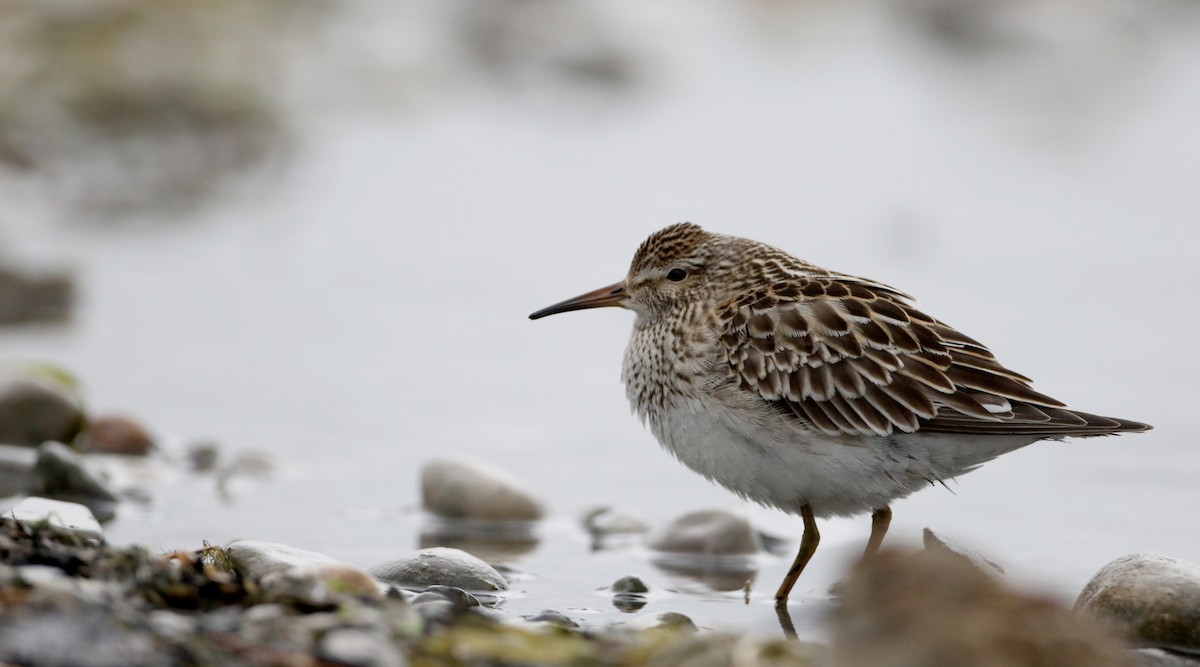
pixel 722 574
pixel 492 541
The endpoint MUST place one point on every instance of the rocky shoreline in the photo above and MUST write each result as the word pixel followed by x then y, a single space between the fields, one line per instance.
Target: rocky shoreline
pixel 67 597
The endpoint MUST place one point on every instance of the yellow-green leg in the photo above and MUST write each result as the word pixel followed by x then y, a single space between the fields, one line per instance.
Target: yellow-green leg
pixel 808 546
pixel 880 520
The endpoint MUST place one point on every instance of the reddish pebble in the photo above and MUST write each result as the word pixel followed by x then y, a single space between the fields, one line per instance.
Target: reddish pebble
pixel 118 435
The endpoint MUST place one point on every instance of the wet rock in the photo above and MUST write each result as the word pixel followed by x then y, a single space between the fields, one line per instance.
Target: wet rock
pixel 27 297
pixel 16 469
pixel 59 473
pixel 630 584
pixel 72 517
pixel 934 542
pixel 116 434
pixel 552 617
pixel 932 609
pixel 460 488
pixel 319 585
pixel 257 559
pixel 609 521
pixel 203 457
pixel 359 648
pixel 707 533
pixel 35 411
pixel 493 541
pixel 629 594
pixel 441 566
pixel 460 598
pixel 1155 600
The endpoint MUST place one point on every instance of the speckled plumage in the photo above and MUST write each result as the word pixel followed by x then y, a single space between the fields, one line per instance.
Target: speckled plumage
pixel 808 390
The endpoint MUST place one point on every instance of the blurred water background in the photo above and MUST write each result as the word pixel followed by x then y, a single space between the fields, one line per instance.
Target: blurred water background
pixel 314 230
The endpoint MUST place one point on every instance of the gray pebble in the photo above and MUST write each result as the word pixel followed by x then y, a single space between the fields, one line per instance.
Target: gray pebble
pixel 1155 600
pixel 203 457
pixel 59 473
pixel 460 598
pixel 707 533
pixel 460 488
pixel 257 558
pixel 630 584
pixel 609 521
pixel 441 566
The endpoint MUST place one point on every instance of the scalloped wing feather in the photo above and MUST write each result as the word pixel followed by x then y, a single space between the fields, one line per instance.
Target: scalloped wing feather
pixel 849 356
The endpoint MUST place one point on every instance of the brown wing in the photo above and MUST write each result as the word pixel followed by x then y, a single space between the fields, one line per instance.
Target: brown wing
pixel 849 356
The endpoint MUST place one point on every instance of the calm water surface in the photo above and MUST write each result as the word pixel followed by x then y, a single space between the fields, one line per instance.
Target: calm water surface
pixel 369 311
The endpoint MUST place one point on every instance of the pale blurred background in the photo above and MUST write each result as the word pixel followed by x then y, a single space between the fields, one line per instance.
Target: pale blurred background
pixel 314 229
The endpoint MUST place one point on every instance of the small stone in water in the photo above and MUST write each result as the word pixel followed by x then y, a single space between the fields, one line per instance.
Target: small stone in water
pixel 444 566
pixel 707 533
pixel 257 558
pixel 604 521
pixel 203 457
pixel 59 473
pixel 460 598
pixel 461 488
pixel 116 434
pixel 629 584
pixel 553 618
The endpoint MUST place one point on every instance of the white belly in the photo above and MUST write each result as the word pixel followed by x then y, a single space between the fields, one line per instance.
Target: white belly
pixel 773 461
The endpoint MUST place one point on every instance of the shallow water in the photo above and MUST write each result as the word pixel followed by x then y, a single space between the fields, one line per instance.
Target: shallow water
pixel 368 311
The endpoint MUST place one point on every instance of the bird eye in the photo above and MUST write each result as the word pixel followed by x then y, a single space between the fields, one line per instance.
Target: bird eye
pixel 675 275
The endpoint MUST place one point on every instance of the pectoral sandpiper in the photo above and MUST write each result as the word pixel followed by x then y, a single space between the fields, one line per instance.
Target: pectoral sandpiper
pixel 815 392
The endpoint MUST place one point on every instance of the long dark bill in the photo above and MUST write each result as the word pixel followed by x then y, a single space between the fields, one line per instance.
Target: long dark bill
pixel 612 295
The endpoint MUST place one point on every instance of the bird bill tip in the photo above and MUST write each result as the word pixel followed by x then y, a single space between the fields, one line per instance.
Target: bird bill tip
pixel 610 296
